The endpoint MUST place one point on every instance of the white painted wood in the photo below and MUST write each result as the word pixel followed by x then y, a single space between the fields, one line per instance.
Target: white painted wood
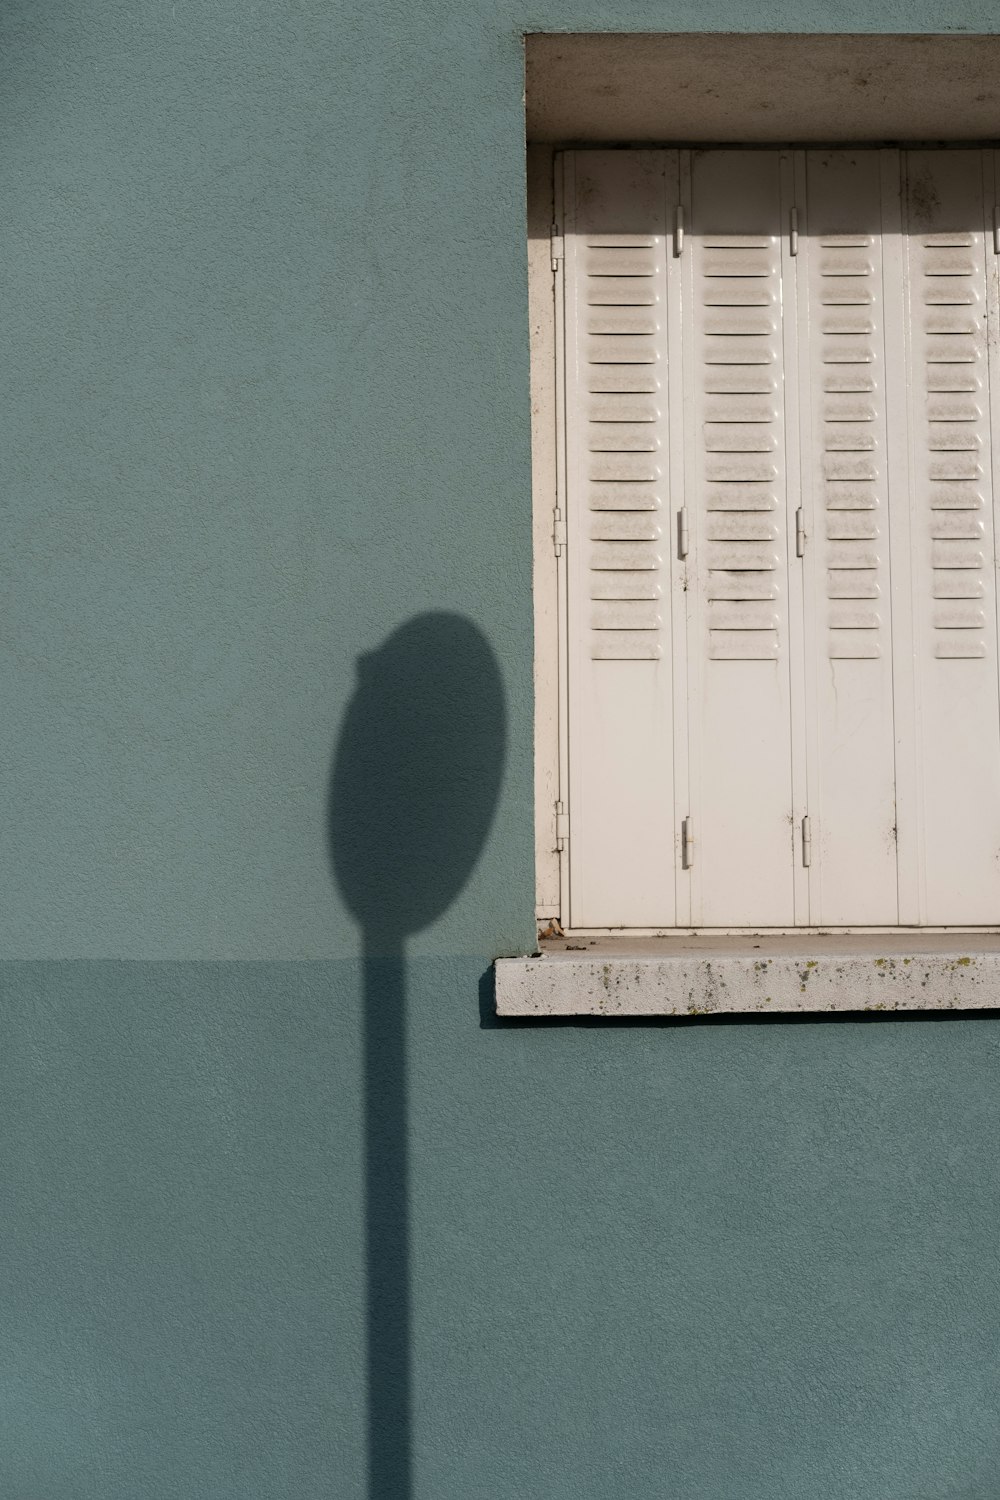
pixel 777 461
pixel 617 210
pixel 560 525
pixel 948 221
pixel 909 804
pixel 678 377
pixel 845 496
pixel 991 197
pixel 796 410
pixel 738 615
pixel 541 210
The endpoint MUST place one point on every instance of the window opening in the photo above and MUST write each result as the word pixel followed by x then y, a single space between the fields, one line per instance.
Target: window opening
pixel 775 532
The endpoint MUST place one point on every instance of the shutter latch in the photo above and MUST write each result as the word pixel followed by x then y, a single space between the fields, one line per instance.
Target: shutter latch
pixel 556 247
pixel 558 533
pixel 687 842
pixel 562 827
pixel 683 536
pixel 800 533
pixel 996 229
pixel 807 843
pixel 678 230
pixel 793 231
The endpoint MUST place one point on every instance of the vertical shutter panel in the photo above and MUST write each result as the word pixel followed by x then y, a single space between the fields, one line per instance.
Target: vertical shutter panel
pixel 953 571
pixel 621 839
pixel 848 687
pixel 739 704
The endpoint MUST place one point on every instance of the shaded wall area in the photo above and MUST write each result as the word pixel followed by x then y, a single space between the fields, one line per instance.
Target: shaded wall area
pixel 707 1260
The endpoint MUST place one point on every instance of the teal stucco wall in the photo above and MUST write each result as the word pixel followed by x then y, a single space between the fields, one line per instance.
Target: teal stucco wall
pixel 264 407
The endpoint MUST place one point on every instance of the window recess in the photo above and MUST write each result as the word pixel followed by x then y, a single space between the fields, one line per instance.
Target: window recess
pixel 780 621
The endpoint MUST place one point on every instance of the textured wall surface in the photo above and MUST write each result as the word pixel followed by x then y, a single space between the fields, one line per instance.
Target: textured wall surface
pixel 264 403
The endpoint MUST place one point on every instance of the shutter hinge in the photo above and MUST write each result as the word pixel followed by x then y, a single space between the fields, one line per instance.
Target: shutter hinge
pixel 679 230
pixel 558 533
pixel 562 827
pixel 687 842
pixel 800 533
pixel 996 229
pixel 807 843
pixel 682 532
pixel 793 231
pixel 556 248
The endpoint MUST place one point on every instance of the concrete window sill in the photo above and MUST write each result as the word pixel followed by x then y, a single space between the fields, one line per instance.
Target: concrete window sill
pixel 760 974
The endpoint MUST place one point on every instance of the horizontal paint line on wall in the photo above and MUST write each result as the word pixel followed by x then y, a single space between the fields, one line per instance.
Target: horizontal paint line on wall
pixel 752 974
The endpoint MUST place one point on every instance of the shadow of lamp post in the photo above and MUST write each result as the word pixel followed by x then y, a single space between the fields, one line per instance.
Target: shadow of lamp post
pixel 415 780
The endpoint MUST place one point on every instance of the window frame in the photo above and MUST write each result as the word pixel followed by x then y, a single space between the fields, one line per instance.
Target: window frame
pixel 549 515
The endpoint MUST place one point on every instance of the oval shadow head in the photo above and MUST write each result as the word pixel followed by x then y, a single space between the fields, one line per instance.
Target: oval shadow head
pixel 416 773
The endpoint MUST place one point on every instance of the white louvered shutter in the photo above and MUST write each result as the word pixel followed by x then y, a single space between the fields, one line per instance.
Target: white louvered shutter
pixel 736 495
pixel 848 244
pixel 781 619
pixel 955 805
pixel 621 845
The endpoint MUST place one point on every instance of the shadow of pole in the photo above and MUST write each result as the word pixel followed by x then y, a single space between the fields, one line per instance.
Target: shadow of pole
pixel 414 785
pixel 387 1228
